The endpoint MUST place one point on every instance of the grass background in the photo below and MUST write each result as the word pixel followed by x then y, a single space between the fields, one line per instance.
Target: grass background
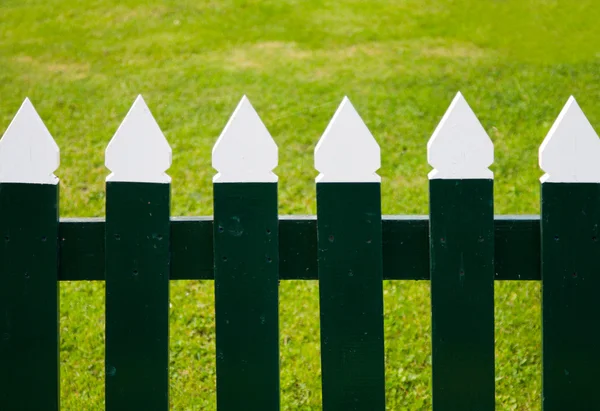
pixel 83 62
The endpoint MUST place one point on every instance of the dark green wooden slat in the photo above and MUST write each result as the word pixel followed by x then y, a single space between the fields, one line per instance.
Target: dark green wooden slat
pixel 246 296
pixel 29 377
pixel 462 294
pixel 405 248
pixel 351 296
pixel 298 248
pixel 192 248
pixel 137 296
pixel 570 309
pixel 517 248
pixel 81 249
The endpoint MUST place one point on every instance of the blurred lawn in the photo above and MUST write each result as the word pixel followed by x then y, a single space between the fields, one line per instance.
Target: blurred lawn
pixel 83 62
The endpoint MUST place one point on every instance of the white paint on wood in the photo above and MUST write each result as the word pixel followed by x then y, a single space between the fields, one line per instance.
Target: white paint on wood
pixel 139 151
pixel 28 153
pixel 347 151
pixel 459 147
pixel 570 152
pixel 245 152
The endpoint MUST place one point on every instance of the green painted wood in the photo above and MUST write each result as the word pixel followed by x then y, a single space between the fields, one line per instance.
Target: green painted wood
pixel 246 296
pixel 462 294
pixel 82 252
pixel 29 297
pixel 517 248
pixel 351 296
pixel 405 248
pixel 570 283
pixel 137 296
pixel 192 251
pixel 298 248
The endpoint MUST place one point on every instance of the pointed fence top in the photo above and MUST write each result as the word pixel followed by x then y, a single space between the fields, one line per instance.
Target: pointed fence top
pixel 245 152
pixel 459 147
pixel 347 151
pixel 570 152
pixel 28 153
pixel 139 151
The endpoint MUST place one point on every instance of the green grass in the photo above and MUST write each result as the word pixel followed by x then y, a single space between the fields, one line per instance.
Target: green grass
pixel 83 62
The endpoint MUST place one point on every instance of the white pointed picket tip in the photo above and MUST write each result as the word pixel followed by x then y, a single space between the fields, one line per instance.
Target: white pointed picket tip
pixel 570 152
pixel 139 151
pixel 347 151
pixel 459 147
pixel 245 152
pixel 28 153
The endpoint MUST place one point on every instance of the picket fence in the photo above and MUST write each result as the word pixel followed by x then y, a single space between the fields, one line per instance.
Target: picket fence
pixel 247 248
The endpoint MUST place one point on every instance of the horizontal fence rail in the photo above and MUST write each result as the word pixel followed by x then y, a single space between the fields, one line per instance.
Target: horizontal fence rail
pixel 405 248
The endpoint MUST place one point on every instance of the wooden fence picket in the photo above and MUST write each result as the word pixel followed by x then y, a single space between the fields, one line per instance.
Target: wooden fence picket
pixel 462 262
pixel 29 357
pixel 350 265
pixel 570 244
pixel 137 265
pixel 246 259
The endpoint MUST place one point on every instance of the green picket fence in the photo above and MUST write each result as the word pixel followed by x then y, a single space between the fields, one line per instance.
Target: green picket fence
pixel 246 248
